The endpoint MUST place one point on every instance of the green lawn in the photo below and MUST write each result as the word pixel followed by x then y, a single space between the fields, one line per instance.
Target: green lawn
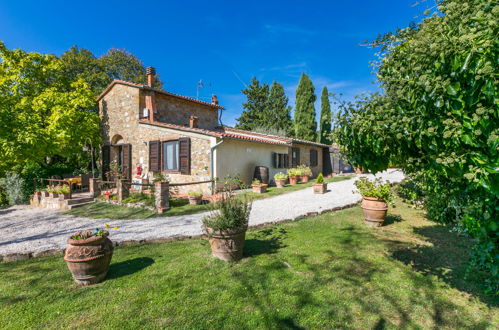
pixel 178 206
pixel 328 271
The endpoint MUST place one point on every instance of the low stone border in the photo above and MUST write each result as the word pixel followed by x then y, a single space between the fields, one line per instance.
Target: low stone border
pixel 14 257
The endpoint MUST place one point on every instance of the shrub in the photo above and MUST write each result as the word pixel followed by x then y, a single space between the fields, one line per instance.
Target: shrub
pixel 280 176
pixel 4 199
pixel 229 213
pixel 375 189
pixel 294 172
pixel 194 194
pixel 160 177
pixel 13 185
pixel 320 179
pixel 90 233
pixel 256 182
pixel 304 170
pixel 411 191
pixel 147 199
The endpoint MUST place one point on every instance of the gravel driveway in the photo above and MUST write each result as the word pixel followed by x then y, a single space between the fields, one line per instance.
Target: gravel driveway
pixel 29 230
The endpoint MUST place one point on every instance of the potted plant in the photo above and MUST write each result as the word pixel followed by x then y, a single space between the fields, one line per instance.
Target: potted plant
pixel 376 196
pixel 52 191
pixel 280 180
pixel 305 173
pixel 88 255
pixel 64 192
pixel 195 198
pixel 226 227
pixel 258 187
pixel 294 175
pixel 107 195
pixel 320 186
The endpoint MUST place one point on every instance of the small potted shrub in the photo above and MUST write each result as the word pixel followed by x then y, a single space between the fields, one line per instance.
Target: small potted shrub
pixel 320 186
pixel 52 191
pixel 195 198
pixel 258 187
pixel 88 255
pixel 226 227
pixel 305 173
pixel 376 196
pixel 280 180
pixel 294 175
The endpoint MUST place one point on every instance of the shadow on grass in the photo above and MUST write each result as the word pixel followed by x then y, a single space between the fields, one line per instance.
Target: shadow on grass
pixel 391 219
pixel 128 267
pixel 447 258
pixel 266 241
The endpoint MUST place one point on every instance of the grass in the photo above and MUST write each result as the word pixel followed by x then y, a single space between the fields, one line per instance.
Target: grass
pixel 178 206
pixel 328 271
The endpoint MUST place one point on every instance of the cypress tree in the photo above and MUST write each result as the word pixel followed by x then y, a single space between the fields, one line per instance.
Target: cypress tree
pixel 305 123
pixel 325 120
pixel 256 103
pixel 279 111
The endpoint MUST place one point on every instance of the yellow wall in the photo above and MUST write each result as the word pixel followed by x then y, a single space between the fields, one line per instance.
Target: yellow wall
pixel 235 157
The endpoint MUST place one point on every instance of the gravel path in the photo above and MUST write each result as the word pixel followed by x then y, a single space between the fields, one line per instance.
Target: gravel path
pixel 25 229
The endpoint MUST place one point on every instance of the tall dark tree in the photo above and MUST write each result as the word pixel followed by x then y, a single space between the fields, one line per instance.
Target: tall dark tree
pixel 305 123
pixel 279 111
pixel 325 119
pixel 257 96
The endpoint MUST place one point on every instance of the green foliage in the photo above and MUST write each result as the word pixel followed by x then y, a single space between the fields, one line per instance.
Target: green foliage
pixel 229 213
pixel 320 179
pixel 4 198
pixel 13 185
pixel 279 112
pixel 90 233
pixel 256 106
pixel 280 176
pixel 438 118
pixel 58 189
pixel 294 172
pixel 411 191
pixel 256 182
pixel 304 170
pixel 194 194
pixel 147 199
pixel 325 119
pixel 304 116
pixel 374 188
pixel 41 115
pixel 160 177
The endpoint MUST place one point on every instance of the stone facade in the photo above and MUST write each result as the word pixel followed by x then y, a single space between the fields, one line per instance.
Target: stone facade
pixel 119 112
pixel 305 157
pixel 176 111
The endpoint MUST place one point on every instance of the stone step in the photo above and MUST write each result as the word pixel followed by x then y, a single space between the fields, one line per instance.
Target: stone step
pixel 72 206
pixel 79 200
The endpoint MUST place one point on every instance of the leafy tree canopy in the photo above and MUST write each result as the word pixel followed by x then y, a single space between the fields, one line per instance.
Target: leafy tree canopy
pixel 257 98
pixel 438 117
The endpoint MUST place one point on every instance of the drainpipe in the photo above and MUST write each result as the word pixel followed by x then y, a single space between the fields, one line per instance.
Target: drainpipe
pixel 212 166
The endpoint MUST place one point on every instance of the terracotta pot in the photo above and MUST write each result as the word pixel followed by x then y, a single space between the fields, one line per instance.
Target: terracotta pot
pixel 280 183
pixel 228 244
pixel 53 195
pixel 88 259
pixel 320 188
pixel 375 210
pixel 259 188
pixel 195 200
pixel 304 178
pixel 293 179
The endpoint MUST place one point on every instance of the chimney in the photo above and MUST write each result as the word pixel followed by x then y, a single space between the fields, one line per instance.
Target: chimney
pixel 193 122
pixel 150 72
pixel 214 99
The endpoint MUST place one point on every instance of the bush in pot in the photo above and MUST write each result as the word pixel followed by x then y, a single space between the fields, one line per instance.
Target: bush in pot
pixel 305 173
pixel 320 186
pixel 280 180
pixel 226 227
pixel 258 187
pixel 88 255
pixel 294 175
pixel 195 198
pixel 376 196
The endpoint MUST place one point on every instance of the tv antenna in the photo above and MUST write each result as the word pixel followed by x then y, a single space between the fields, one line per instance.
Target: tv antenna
pixel 201 84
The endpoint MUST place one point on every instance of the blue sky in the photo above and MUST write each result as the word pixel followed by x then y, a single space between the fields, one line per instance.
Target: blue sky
pixel 224 43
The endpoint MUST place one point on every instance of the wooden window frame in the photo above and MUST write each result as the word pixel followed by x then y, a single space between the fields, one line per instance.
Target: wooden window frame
pixel 162 157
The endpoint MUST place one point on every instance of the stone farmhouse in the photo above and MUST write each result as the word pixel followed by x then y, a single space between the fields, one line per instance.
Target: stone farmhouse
pixel 146 131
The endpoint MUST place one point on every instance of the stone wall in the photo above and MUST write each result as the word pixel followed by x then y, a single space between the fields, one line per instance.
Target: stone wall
pixel 305 157
pixel 176 111
pixel 119 111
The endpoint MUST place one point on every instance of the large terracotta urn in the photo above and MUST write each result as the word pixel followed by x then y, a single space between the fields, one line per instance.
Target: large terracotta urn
pixel 375 210
pixel 227 244
pixel 88 259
